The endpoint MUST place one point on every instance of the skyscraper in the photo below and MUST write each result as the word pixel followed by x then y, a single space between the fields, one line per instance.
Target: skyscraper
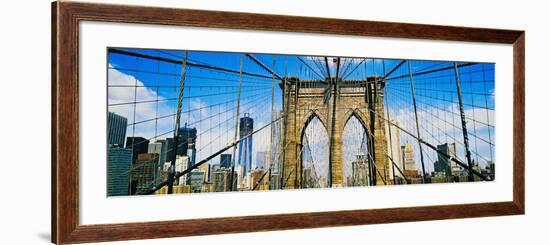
pixel 118 167
pixel 196 180
pixel 186 144
pixel 159 148
pixel 490 169
pixel 225 160
pixel 206 168
pixel 144 172
pixel 180 166
pixel 222 180
pixel 443 163
pixel 394 148
pixel 116 129
pixel 246 127
pixel 410 169
pixel 170 148
pixel 139 145
pixel 240 176
pixel 360 171
pixel 187 138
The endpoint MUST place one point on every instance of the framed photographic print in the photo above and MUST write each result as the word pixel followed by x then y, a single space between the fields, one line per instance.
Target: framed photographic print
pixel 174 122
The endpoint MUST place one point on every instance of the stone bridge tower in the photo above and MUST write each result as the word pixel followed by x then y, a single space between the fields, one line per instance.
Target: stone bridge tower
pixel 334 103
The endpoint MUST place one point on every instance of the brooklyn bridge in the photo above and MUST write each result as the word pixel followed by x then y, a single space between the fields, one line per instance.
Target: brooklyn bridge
pixel 190 121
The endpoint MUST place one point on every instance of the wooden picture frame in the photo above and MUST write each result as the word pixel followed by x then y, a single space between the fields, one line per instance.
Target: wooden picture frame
pixel 65 121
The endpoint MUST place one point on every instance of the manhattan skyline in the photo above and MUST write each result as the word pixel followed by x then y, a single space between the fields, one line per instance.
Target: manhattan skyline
pixel 143 87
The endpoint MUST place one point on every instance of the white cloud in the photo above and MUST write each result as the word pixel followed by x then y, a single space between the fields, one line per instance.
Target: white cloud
pixel 132 90
pixel 443 125
pixel 215 122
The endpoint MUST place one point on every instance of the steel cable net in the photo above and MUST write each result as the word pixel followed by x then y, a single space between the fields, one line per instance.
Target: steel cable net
pixel 189 122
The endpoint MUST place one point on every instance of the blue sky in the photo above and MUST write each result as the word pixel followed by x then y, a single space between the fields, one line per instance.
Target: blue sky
pixel 210 97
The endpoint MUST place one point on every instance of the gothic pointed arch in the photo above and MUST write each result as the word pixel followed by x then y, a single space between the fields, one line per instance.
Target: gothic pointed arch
pixel 355 153
pixel 314 150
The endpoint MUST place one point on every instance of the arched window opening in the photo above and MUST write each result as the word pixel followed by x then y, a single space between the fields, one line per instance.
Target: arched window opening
pixel 355 153
pixel 315 154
